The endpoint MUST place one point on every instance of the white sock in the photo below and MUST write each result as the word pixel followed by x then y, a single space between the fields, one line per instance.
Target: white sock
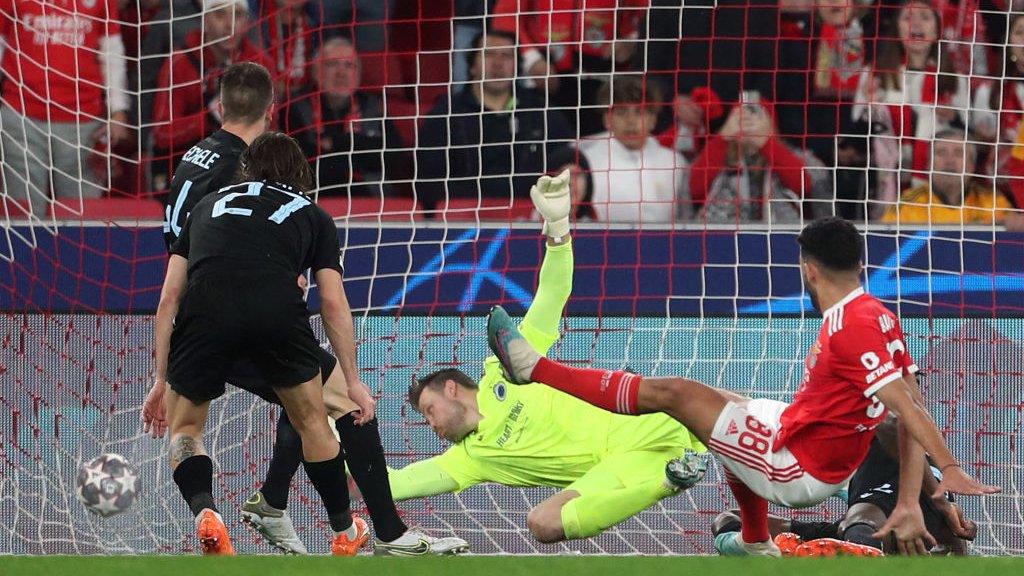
pixel 351 532
pixel 215 513
pixel 409 538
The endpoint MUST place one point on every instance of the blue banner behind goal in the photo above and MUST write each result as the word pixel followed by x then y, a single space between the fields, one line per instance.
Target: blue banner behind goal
pixel 86 269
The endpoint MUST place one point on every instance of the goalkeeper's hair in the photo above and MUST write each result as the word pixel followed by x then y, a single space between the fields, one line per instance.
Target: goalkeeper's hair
pixel 436 380
pixel 276 157
pixel 834 243
pixel 246 92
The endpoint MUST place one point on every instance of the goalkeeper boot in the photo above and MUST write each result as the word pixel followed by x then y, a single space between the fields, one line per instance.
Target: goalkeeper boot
pixel 213 534
pixel 348 542
pixel 732 544
pixel 274 525
pixel 417 543
pixel 828 547
pixel 687 470
pixel 516 355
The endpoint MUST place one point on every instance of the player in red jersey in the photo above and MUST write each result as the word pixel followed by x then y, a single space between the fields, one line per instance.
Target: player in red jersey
pixel 797 454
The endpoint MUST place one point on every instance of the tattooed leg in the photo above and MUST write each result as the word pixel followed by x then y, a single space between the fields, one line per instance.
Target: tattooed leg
pixel 184 447
pixel 193 469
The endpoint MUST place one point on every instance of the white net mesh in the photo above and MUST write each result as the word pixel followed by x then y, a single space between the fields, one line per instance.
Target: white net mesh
pixel 76 336
pixel 77 397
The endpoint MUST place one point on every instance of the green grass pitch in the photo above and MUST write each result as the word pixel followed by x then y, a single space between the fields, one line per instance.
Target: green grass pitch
pixel 502 566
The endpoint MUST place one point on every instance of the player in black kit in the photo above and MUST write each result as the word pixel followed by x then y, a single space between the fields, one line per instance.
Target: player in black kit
pixel 246 106
pixel 230 295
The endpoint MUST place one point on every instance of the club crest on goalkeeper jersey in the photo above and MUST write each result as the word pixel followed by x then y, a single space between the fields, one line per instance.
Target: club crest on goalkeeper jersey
pixel 537 436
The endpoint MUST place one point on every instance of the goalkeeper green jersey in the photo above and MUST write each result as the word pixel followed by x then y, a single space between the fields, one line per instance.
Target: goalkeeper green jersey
pixel 535 435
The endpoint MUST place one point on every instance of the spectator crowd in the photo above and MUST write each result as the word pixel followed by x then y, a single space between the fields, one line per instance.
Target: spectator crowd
pixel 727 112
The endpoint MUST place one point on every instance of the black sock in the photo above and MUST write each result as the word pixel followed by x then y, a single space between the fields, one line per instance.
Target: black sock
pixel 194 477
pixel 365 456
pixel 814 530
pixel 283 464
pixel 861 533
pixel 328 477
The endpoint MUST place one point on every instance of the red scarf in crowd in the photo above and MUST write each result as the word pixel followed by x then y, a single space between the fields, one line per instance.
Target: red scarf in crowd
pixel 905 122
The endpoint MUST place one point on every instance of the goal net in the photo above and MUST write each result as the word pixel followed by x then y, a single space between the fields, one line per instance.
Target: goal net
pixel 425 137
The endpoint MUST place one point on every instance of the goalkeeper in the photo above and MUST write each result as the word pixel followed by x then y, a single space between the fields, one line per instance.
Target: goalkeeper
pixel 610 467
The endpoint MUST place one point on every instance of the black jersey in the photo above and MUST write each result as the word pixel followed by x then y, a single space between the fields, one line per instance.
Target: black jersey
pixel 207 167
pixel 257 228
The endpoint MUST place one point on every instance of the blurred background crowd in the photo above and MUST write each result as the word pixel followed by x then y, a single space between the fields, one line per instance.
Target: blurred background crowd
pixel 722 112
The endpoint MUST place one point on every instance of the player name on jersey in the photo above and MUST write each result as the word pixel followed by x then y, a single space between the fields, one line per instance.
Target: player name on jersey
pixel 206 168
pixel 200 156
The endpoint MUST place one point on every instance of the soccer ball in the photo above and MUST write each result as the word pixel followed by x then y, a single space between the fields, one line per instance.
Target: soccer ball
pixel 106 485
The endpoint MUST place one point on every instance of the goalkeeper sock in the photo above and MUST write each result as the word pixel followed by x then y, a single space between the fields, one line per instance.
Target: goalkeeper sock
pixel 328 477
pixel 365 457
pixel 591 514
pixel 283 464
pixel 613 390
pixel 194 477
pixel 861 533
pixel 753 511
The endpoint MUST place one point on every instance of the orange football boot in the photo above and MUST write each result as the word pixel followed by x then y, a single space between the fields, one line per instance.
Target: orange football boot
pixel 829 547
pixel 788 543
pixel 343 546
pixel 213 534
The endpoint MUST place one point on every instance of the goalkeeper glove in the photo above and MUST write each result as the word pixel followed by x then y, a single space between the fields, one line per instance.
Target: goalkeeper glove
pixel 551 198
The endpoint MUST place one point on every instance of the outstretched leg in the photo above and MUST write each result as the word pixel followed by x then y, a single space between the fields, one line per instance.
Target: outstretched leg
pixel 284 463
pixel 323 462
pixel 265 510
pixel 193 470
pixel 694 404
pixel 365 455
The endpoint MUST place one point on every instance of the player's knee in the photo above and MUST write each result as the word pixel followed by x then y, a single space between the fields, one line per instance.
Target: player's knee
pixel 544 526
pixel 662 392
pixel 305 415
pixel 311 423
pixel 864 513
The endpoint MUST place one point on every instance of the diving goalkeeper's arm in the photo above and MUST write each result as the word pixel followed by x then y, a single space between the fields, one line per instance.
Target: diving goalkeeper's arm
pixel 551 198
pixel 420 479
pixel 457 469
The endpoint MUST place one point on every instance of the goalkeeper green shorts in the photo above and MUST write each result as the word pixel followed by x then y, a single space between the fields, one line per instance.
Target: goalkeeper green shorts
pixel 625 469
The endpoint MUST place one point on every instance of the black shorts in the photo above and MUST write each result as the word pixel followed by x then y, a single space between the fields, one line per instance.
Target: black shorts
pixel 876 482
pixel 241 323
pixel 247 376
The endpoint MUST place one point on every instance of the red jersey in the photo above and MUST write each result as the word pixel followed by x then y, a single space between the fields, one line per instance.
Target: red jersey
pixel 52 66
pixel 565 27
pixel 188 92
pixel 831 422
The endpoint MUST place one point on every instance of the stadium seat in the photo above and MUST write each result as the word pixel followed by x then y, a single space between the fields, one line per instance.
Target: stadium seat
pixel 11 209
pixel 421 36
pixel 106 209
pixel 379 70
pixel 404 114
pixel 397 209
